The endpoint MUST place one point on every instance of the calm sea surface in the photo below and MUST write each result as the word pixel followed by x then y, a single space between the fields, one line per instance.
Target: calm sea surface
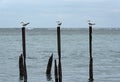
pixel 41 43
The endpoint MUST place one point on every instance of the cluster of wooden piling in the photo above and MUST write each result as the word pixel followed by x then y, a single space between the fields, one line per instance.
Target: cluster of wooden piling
pixel 22 58
pixel 57 67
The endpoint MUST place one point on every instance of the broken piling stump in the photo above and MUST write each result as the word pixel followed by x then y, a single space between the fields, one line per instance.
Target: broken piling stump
pixel 49 67
pixel 21 67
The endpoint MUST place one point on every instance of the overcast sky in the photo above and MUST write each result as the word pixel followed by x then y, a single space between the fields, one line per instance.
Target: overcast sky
pixel 72 13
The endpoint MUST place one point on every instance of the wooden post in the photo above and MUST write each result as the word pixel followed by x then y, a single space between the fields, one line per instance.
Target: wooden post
pixel 23 42
pixel 56 71
pixel 59 53
pixel 90 53
pixel 59 42
pixel 21 67
pixel 25 71
pixel 24 53
pixel 49 67
pixel 60 71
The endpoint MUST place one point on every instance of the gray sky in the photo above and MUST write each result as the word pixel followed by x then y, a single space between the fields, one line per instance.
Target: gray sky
pixel 73 13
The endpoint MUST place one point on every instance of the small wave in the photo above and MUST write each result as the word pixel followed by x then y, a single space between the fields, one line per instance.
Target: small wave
pixel 47 51
pixel 114 51
pixel 31 57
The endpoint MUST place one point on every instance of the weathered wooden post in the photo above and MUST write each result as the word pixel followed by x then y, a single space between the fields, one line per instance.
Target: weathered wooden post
pixel 49 67
pixel 55 71
pixel 59 51
pixel 24 53
pixel 21 67
pixel 24 38
pixel 23 42
pixel 59 42
pixel 90 52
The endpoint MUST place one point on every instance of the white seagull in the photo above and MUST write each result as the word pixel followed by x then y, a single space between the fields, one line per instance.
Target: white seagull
pixel 24 24
pixel 59 23
pixel 89 22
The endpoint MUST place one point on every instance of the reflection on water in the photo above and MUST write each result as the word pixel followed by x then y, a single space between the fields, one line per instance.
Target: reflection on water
pixel 48 77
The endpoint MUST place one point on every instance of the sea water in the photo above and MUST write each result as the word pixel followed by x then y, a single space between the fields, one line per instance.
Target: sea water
pixel 41 43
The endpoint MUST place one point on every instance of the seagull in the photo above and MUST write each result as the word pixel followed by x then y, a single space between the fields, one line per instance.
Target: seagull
pixel 59 23
pixel 89 22
pixel 24 24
